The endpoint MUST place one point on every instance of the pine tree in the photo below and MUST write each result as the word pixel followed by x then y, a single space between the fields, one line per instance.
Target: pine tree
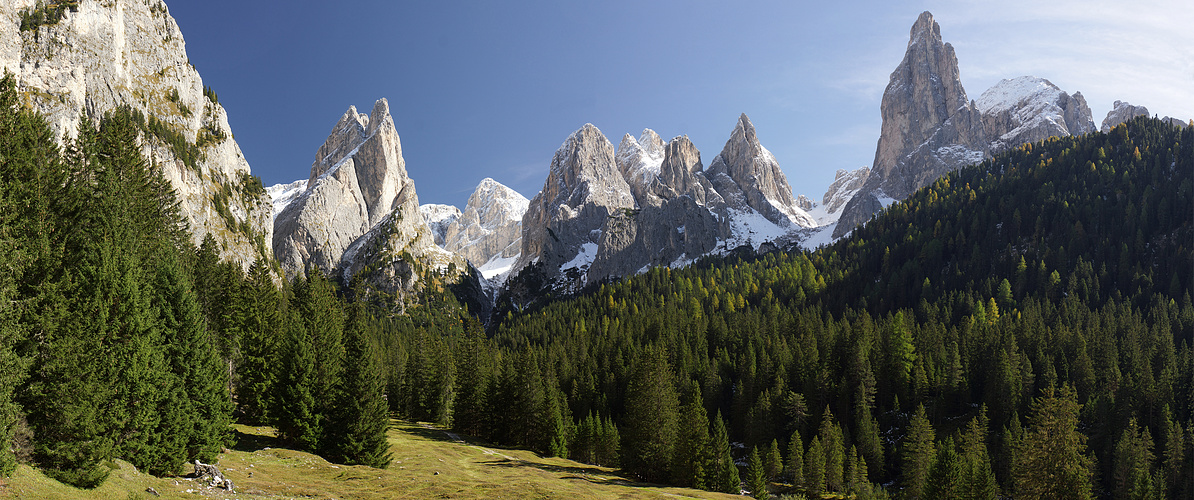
pixel 690 466
pixel 725 473
pixel 1133 464
pixel 555 421
pixel 649 434
pixel 259 354
pixel 356 430
pixel 946 474
pixel 918 455
pixel 609 444
pixel 773 461
pixel 835 454
pixel 1051 460
pixel 814 468
pixel 756 475
pixel 295 413
pixel 978 479
pixel 795 466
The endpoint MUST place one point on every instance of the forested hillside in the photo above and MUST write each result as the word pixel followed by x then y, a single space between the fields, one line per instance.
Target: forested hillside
pixel 1021 327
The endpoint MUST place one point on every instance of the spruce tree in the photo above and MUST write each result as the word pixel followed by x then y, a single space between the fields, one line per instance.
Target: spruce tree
pixel 1051 460
pixel 652 414
pixel 835 453
pixel 946 474
pixel 814 468
pixel 918 455
pixel 691 464
pixel 356 430
pixel 295 413
pixel 1133 464
pixel 795 466
pixel 262 334
pixel 773 461
pixel 725 473
pixel 756 475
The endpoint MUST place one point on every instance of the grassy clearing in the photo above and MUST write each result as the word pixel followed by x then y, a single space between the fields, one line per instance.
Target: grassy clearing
pixel 428 463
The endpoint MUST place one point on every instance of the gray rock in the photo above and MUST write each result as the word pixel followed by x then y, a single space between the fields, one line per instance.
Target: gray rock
pixel 929 126
pixel 845 184
pixel 747 175
pixel 1121 112
pixel 804 203
pixel 490 226
pixel 1030 109
pixel 563 222
pixel 439 218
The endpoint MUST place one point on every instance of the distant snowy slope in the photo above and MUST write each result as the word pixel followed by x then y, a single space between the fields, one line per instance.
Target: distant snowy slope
pixel 282 194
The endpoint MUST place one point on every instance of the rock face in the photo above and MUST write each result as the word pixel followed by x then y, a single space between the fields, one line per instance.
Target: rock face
pixel 359 211
pixel 438 218
pixel 746 174
pixel 283 194
pixel 1030 109
pixel 659 205
pixel 930 129
pixel 562 225
pixel 844 186
pixel 106 55
pixel 1121 112
pixel 489 231
pixel 929 125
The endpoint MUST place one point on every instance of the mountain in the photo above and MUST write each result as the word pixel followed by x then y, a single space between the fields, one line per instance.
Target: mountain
pixel 438 217
pixel 930 128
pixel 360 211
pixel 282 195
pixel 606 213
pixel 86 59
pixel 1030 109
pixel 489 231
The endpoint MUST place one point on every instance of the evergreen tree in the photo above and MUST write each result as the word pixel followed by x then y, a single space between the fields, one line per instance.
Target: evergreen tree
pixel 651 417
pixel 814 467
pixel 756 475
pixel 773 461
pixel 795 466
pixel 919 453
pixel 262 334
pixel 978 479
pixel 835 454
pixel 555 422
pixel 1051 460
pixel 296 415
pixel 693 456
pixel 1133 464
pixel 609 444
pixel 946 474
pixel 356 430
pixel 725 473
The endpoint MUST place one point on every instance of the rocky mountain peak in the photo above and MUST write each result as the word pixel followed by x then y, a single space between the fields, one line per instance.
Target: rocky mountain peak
pixel 1030 109
pixel 584 186
pixel 357 180
pixel 747 174
pixel 489 231
pixel 102 56
pixel 929 126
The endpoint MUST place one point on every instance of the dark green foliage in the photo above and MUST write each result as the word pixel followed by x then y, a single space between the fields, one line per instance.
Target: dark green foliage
pixel 756 475
pixel 692 463
pixel 918 455
pixel 652 414
pixel 773 461
pixel 1134 464
pixel 724 473
pixel 795 465
pixel 814 468
pixel 46 13
pixel 356 429
pixel 1051 461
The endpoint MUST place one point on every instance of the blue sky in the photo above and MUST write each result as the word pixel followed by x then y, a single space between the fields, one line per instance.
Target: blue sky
pixel 491 89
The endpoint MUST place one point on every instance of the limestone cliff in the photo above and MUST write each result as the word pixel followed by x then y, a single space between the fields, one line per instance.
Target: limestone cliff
pixel 101 56
pixel 488 233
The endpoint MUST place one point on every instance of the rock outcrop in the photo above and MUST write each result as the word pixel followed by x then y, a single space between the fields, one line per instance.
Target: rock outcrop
pixel 359 211
pixel 489 231
pixel 101 56
pixel 845 185
pixel 1121 112
pixel 929 126
pixel 1030 109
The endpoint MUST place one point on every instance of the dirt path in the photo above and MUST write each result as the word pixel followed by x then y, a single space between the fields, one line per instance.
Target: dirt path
pixel 456 437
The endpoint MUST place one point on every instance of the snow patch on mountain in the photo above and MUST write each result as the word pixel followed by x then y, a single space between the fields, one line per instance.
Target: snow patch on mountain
pixel 438 217
pixel 282 194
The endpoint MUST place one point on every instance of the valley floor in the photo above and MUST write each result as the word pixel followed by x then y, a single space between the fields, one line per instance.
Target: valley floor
pixel 428 463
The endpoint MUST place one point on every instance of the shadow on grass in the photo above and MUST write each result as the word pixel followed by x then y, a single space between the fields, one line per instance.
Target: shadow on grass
pixel 253 442
pixel 429 433
pixel 590 474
